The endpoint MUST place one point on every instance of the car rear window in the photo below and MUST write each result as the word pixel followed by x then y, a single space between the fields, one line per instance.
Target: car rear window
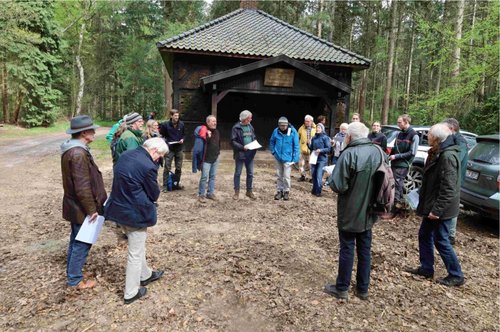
pixel 485 152
pixel 390 133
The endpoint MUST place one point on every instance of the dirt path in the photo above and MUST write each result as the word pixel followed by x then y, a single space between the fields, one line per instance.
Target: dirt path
pixel 230 266
pixel 15 152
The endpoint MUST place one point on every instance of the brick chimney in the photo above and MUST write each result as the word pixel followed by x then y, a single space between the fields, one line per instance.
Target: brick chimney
pixel 248 4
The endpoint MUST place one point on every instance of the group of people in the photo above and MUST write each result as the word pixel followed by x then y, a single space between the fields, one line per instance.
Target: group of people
pixel 135 190
pixel 131 203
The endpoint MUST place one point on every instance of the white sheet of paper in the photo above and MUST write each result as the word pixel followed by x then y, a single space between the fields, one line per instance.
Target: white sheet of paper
pixel 313 158
pixel 89 232
pixel 329 169
pixel 254 145
pixel 413 199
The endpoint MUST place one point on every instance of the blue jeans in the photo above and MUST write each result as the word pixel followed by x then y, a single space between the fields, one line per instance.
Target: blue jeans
pixel 453 227
pixel 208 171
pixel 317 176
pixel 237 173
pixel 363 243
pixel 77 255
pixel 436 233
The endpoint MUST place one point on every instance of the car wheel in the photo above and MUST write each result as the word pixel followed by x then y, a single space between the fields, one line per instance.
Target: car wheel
pixel 414 178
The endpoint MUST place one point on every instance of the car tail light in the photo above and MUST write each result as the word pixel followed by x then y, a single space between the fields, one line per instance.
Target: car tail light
pixel 498 182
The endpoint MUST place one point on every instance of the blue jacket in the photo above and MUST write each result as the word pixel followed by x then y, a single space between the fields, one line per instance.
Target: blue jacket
pixel 198 153
pixel 135 190
pixel 285 147
pixel 322 142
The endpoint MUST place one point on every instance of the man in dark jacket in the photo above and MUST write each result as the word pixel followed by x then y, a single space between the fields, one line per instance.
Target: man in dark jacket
pixel 463 155
pixel 84 194
pixel 132 204
pixel 241 135
pixel 439 200
pixel 402 155
pixel 352 179
pixel 173 133
pixel 378 137
pixel 210 161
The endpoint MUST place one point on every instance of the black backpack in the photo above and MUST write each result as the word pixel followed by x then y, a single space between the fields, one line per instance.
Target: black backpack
pixel 383 187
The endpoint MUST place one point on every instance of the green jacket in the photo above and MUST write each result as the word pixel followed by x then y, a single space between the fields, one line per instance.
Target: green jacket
pixel 440 191
pixel 352 180
pixel 129 140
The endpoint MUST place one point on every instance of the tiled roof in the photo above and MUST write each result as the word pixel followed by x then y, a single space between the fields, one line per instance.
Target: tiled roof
pixel 250 32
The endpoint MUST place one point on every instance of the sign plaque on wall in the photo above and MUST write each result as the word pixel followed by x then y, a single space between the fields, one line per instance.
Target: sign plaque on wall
pixel 279 77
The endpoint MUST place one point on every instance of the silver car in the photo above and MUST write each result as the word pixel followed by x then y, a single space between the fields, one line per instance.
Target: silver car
pixel 415 174
pixel 481 188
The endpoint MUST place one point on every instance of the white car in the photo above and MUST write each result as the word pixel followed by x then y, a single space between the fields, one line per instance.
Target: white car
pixel 414 178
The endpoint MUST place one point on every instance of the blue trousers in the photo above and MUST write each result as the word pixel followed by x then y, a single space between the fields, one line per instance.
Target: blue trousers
pixel 208 173
pixel 362 242
pixel 436 233
pixel 317 176
pixel 238 167
pixel 77 256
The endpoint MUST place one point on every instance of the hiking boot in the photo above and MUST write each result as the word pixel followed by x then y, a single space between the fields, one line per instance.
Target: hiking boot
pixel 85 284
pixel 202 199
pixel 251 195
pixel 361 295
pixel 302 178
pixel 451 281
pixel 333 291
pixel 212 197
pixel 286 196
pixel 164 190
pixel 155 275
pixel 178 187
pixel 140 293
pixel 387 216
pixel 418 271
pixel 278 196
pixel 236 195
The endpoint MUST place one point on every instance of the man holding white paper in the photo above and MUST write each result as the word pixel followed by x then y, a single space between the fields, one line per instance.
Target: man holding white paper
pixel 242 135
pixel 84 194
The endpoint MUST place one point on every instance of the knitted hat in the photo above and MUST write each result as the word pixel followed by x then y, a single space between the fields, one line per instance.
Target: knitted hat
pixel 132 118
pixel 321 126
pixel 282 120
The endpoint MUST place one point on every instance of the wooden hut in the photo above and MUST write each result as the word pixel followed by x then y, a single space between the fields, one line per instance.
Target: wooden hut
pixel 251 60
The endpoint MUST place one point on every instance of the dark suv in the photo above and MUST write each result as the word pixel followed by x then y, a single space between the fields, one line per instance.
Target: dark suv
pixel 481 188
pixel 414 178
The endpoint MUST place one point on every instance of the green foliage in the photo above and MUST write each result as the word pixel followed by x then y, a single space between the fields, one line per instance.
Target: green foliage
pixel 29 45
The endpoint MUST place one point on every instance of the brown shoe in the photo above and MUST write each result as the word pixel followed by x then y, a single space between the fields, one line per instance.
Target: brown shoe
pixel 251 195
pixel 236 195
pixel 212 197
pixel 85 284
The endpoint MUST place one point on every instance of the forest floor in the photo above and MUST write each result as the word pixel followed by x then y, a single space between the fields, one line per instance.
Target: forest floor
pixel 230 265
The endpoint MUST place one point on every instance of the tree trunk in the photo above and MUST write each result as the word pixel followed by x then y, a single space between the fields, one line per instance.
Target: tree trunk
pixel 458 37
pixel 410 63
pixel 17 111
pixel 374 92
pixel 319 24
pixel 81 72
pixel 5 95
pixel 471 43
pixel 332 18
pixel 388 83
pixel 168 91
pixel 362 94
